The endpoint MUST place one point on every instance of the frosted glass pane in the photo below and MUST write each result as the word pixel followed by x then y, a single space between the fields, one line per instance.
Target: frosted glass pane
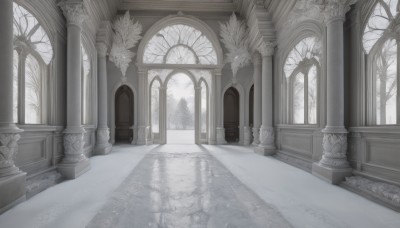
pixel 155 107
pixel 180 44
pixel 298 99
pixel 15 87
pixel 382 16
pixel 307 49
pixel 312 95
pixel 28 30
pixel 386 83
pixel 33 89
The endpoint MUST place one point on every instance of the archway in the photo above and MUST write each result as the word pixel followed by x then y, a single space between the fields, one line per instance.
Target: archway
pixel 232 115
pixel 180 111
pixel 124 114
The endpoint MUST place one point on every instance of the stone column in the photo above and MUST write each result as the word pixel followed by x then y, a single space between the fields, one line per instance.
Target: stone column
pixel 333 166
pixel 267 134
pixel 212 120
pixel 257 98
pixel 12 180
pixel 219 109
pixel 75 162
pixel 197 116
pixel 163 114
pixel 103 132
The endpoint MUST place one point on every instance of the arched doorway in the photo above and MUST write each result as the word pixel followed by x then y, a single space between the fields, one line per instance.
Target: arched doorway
pixel 231 115
pixel 251 107
pixel 180 111
pixel 124 115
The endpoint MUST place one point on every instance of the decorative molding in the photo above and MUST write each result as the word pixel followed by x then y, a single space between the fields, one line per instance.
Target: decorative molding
pixel 256 136
pixel 335 9
pixel 101 49
pixel 334 150
pixel 8 145
pixel 267 49
pixel 193 6
pixel 383 191
pixel 267 136
pixel 74 11
pixel 104 33
pixel 103 136
pixel 73 145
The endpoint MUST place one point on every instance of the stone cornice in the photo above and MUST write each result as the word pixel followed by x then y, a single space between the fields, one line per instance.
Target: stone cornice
pixel 193 6
pixel 74 11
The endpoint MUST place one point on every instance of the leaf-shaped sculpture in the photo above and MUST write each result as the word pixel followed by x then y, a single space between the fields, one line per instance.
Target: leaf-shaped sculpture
pixel 126 35
pixel 234 35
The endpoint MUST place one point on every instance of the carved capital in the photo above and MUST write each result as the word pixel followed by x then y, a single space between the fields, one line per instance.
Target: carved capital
pixel 256 59
pixel 8 145
pixel 267 136
pixel 334 150
pixel 101 49
pixel 73 145
pixel 267 49
pixel 74 11
pixel 335 9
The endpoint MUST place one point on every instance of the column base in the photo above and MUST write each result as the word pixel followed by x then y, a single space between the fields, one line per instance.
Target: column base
pixel 265 150
pixel 247 136
pixel 12 191
pixel 256 136
pixel 330 175
pixel 221 136
pixel 103 149
pixel 73 170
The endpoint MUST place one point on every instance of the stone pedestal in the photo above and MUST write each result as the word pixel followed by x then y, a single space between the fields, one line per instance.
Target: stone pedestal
pixel 12 190
pixel 247 136
pixel 221 136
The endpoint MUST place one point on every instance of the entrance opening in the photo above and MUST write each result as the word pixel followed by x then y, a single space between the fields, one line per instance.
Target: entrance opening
pixel 180 110
pixel 124 114
pixel 231 115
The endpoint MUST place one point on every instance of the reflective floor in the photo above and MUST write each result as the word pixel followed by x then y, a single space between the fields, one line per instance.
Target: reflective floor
pixel 184 189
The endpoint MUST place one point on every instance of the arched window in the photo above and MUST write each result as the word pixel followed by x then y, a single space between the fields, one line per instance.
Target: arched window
pixel 32 56
pixel 381 45
pixel 180 44
pixel 86 87
pixel 302 72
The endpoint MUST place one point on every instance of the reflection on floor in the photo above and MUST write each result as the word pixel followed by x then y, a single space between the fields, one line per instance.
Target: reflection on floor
pixel 184 189
pixel 192 186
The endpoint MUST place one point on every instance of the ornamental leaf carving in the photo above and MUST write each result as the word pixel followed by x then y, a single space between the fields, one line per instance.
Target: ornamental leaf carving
pixel 234 35
pixel 126 34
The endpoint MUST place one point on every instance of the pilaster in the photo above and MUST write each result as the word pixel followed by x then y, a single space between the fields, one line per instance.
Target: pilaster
pixel 257 98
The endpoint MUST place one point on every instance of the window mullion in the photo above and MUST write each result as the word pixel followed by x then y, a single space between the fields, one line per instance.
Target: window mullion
pixel 306 96
pixel 21 85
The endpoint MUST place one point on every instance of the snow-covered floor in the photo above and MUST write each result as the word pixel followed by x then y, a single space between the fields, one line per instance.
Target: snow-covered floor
pixel 180 137
pixel 300 198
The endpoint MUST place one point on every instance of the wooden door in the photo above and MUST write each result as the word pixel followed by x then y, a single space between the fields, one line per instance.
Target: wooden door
pixel 231 115
pixel 124 114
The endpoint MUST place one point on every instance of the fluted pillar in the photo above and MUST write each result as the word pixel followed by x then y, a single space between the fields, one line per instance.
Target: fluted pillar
pixel 257 98
pixel 219 107
pixel 103 132
pixel 267 134
pixel 333 166
pixel 75 162
pixel 12 180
